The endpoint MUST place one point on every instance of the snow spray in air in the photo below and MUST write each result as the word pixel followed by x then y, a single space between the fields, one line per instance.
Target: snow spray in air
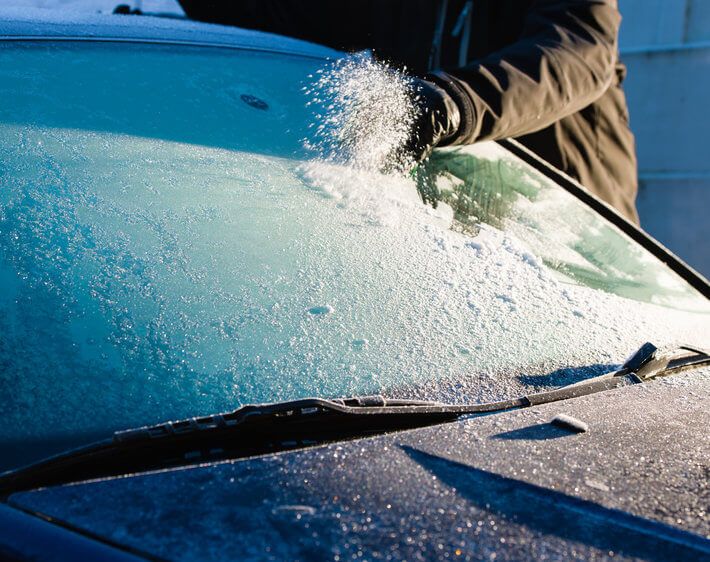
pixel 363 113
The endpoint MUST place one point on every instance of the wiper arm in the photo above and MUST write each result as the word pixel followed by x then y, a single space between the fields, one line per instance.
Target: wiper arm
pixel 648 364
pixel 259 429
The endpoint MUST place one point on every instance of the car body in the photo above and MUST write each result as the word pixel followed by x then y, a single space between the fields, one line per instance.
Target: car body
pixel 171 250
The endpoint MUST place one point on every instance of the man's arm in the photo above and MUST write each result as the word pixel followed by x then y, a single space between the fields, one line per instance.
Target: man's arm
pixel 563 62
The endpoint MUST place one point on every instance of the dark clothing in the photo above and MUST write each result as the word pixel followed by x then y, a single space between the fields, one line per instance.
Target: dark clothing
pixel 545 72
pixel 397 30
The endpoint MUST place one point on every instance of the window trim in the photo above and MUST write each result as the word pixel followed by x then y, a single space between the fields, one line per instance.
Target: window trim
pixel 156 41
pixel 650 244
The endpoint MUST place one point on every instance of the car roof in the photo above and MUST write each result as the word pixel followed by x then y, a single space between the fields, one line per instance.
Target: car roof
pixel 16 23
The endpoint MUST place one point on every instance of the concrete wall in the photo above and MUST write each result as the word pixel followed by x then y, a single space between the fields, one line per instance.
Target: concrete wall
pixel 663 22
pixel 666 46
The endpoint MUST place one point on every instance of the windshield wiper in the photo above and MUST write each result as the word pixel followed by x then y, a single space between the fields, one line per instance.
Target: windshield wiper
pixel 260 429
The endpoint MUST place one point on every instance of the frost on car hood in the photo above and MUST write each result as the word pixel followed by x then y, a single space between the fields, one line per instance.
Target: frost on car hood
pixel 509 486
pixel 161 266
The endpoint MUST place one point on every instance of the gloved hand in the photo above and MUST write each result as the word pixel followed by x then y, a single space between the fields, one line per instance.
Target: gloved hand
pixel 438 119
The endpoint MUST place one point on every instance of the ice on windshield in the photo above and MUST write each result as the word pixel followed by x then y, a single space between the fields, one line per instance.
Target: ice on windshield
pixel 363 114
pixel 169 250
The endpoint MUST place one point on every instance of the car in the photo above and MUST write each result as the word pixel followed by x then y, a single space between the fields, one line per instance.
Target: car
pixel 220 344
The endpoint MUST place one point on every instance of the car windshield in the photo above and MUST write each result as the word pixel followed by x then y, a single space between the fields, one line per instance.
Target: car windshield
pixel 169 248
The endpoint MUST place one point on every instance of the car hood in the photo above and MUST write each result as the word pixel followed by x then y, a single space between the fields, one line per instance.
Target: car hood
pixel 512 484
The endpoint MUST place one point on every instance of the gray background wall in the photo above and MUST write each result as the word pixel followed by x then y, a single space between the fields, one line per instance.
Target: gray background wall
pixel 666 47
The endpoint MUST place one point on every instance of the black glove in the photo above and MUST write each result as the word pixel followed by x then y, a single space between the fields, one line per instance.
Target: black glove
pixel 438 119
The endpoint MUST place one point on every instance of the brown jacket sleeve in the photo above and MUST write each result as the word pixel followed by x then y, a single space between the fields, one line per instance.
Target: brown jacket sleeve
pixel 564 61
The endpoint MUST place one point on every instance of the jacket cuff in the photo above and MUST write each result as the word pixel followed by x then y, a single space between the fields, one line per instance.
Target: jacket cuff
pixel 456 89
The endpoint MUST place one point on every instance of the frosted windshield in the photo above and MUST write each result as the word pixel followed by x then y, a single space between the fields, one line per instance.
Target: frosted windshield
pixel 168 249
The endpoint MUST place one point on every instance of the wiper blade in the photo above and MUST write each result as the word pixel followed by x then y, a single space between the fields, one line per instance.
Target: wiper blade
pixel 259 429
